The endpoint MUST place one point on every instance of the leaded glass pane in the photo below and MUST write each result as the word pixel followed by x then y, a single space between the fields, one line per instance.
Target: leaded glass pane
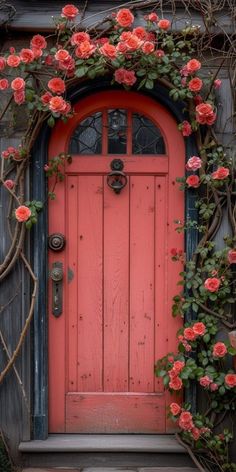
pixel 117 131
pixel 87 137
pixel 146 137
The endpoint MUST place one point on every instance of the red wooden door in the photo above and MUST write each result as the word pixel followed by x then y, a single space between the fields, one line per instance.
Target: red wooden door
pixel 118 277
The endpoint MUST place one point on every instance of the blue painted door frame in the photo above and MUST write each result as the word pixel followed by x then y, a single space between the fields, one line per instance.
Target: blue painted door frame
pixel 39 253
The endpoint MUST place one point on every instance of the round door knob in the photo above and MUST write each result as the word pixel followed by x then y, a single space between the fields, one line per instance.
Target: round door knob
pixel 57 274
pixel 56 241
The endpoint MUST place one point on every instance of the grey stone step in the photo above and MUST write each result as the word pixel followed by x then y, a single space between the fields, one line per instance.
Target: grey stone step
pixel 165 443
pixel 115 469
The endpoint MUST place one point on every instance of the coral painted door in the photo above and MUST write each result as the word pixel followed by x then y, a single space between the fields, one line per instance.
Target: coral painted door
pixel 118 279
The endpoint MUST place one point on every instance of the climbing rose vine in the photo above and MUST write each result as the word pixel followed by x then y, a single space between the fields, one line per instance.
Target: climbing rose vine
pixel 37 79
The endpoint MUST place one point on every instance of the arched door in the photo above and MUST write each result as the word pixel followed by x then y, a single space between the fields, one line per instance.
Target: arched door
pixel 118 279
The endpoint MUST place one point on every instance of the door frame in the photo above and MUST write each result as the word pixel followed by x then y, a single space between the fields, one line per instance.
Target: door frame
pixel 39 249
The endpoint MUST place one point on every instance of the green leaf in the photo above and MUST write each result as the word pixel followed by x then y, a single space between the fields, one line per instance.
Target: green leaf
pixel 81 71
pixel 51 121
pixel 149 84
pixel 206 338
pixel 222 390
pixel 141 72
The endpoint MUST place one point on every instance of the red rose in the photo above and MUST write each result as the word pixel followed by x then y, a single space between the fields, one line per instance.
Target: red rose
pixel 26 56
pixel 108 50
pixel 13 60
pixel 22 213
pixel 2 63
pixel 9 184
pixel 148 47
pixel 175 383
pixel 124 17
pixel 140 32
pixel 193 181
pixel 4 84
pixel 212 284
pixel 193 65
pixel 220 174
pixel 230 380
pixel 189 334
pixel 175 409
pixel 57 85
pixel 232 256
pixel 57 105
pixel 85 50
pixel 18 84
pixel 197 99
pixel 199 328
pixel 38 42
pixel 163 24
pixel 78 38
pixel 69 12
pixel 194 163
pixel 186 128
pixel 48 60
pixel 19 97
pixel 195 84
pixel 219 350
pixel 46 97
pixel 205 381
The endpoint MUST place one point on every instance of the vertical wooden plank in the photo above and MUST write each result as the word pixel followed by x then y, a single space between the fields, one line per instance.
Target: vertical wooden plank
pixel 116 287
pixel 56 329
pixel 72 279
pixel 142 211
pixel 90 194
pixel 161 276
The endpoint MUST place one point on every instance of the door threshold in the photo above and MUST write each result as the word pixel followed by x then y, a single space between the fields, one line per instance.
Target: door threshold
pixel 161 443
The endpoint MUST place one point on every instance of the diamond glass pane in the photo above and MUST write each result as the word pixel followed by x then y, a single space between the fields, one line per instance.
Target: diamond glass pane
pixel 146 137
pixel 117 131
pixel 87 137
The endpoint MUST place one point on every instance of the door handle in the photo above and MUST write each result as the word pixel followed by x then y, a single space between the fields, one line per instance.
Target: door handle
pixel 57 278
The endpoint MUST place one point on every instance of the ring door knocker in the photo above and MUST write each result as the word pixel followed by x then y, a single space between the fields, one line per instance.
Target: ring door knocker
pixel 117 179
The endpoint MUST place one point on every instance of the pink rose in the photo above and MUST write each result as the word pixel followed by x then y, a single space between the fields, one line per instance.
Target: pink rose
pixel 185 421
pixel 178 366
pixel 37 52
pixel 212 284
pixel 57 105
pixel 18 84
pixel 9 184
pixel 186 128
pixel 205 114
pixel 126 77
pixel 175 383
pixel 163 24
pixel 175 409
pixel 159 53
pixel 13 60
pixel 214 387
pixel 219 350
pixel 4 84
pixel 79 37
pixel 38 42
pixel 194 163
pixel 153 17
pixel 69 11
pixel 26 56
pixel 108 50
pixel 220 174
pixel 133 42
pixel 2 63
pixel 124 17
pixel 189 334
pixel 85 49
pixel 19 97
pixel 193 181
pixel 205 381
pixel 199 328
pixel 193 65
pixel 62 55
pixel 45 98
pixel 232 256
pixel 57 85
pixel 148 47
pixel 217 83
pixel 195 433
pixel 140 32
pixel 230 380
pixel 22 213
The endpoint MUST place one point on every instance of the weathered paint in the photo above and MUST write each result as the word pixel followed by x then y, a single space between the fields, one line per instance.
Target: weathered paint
pixel 116 317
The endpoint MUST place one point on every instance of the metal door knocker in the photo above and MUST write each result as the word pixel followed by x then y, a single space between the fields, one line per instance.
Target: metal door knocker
pixel 117 179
